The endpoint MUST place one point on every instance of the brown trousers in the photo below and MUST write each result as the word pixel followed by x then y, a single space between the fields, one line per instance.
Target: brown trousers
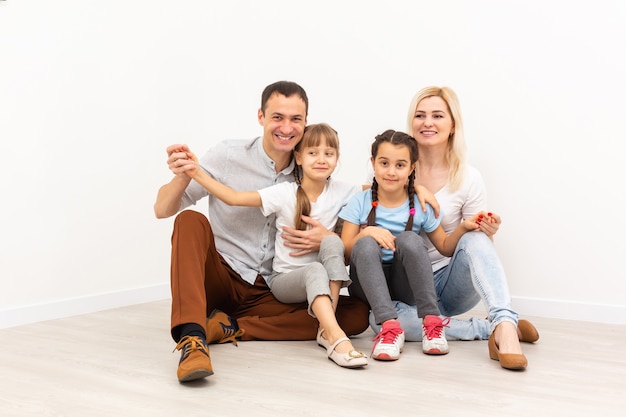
pixel 203 281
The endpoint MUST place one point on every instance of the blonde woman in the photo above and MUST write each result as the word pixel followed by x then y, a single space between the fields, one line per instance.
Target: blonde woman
pixel 474 271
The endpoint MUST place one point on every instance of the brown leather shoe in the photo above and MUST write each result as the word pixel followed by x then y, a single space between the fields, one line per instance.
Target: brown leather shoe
pixel 527 332
pixel 221 328
pixel 195 362
pixel 512 361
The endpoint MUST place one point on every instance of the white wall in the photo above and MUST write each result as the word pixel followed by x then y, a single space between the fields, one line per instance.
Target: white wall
pixel 92 92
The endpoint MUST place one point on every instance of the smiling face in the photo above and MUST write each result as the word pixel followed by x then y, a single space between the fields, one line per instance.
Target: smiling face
pixel 392 167
pixel 318 162
pixel 283 124
pixel 432 124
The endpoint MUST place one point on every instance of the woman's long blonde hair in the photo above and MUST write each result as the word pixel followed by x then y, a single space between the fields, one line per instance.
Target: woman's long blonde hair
pixel 455 155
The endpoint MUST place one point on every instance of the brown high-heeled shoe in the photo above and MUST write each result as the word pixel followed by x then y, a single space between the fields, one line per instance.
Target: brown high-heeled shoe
pixel 528 332
pixel 512 361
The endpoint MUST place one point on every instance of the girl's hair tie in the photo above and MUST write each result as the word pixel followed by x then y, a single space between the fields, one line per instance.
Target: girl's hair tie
pixel 374 204
pixel 412 212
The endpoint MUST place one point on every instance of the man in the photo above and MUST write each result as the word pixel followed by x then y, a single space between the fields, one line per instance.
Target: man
pixel 217 267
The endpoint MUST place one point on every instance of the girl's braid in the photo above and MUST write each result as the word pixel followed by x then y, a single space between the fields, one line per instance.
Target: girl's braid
pixel 371 217
pixel 411 191
pixel 303 204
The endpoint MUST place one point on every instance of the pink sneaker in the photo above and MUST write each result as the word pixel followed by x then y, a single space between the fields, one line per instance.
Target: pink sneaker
pixel 389 342
pixel 434 335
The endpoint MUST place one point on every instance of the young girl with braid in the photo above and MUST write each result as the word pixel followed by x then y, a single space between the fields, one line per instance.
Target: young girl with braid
pixel 318 277
pixel 388 258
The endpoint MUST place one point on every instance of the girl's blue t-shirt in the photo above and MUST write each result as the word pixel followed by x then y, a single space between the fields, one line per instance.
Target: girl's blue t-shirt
pixel 392 219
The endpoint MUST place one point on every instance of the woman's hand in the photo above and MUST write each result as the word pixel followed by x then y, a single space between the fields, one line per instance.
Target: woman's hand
pixel 488 223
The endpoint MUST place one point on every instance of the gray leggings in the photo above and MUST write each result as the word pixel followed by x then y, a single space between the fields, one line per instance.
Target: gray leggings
pixel 408 278
pixel 312 280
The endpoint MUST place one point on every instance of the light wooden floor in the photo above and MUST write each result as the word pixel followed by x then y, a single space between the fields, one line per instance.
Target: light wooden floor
pixel 120 363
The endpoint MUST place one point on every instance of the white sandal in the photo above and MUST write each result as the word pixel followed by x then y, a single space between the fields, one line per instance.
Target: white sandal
pixel 321 341
pixel 352 359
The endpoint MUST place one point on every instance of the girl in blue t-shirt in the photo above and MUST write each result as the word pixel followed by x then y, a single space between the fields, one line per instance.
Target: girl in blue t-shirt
pixel 388 258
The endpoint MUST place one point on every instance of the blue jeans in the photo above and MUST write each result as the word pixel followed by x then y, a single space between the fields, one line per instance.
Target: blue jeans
pixel 471 329
pixel 474 273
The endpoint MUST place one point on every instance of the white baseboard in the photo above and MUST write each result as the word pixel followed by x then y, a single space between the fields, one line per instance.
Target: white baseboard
pixel 81 305
pixel 566 310
pixel 570 310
